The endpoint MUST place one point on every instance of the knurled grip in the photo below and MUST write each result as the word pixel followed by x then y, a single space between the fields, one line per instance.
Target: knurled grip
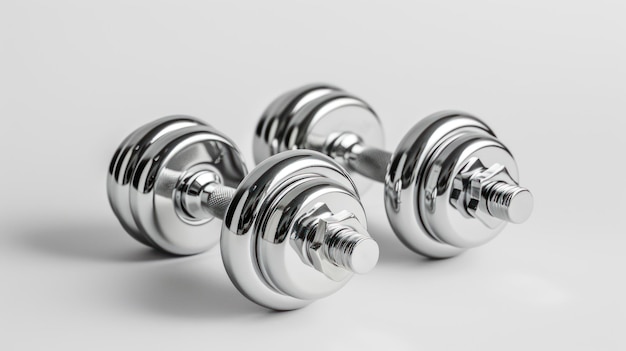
pixel 218 197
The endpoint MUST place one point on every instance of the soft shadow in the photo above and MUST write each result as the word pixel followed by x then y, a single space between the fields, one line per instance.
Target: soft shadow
pixel 393 252
pixel 91 240
pixel 188 289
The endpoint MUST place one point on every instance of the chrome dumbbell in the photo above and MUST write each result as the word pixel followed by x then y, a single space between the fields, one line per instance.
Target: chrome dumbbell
pixel 293 229
pixel 450 185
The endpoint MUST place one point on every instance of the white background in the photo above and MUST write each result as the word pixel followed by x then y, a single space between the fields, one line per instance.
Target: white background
pixel 77 76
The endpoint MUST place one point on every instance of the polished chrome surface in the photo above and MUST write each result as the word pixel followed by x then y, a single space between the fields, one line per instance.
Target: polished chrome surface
pixel 191 196
pixel 490 194
pixel 295 231
pixel 452 186
pixel 217 199
pixel 269 136
pixel 125 161
pixel 509 202
pixel 370 162
pixel 339 242
pixel 312 117
pixel 150 169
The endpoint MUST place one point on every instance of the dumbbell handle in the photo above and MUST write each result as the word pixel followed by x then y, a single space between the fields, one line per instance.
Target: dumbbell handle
pixel 369 161
pixel 203 196
pixel 217 198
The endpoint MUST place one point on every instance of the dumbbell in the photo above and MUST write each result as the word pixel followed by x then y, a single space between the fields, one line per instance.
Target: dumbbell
pixel 293 229
pixel 450 185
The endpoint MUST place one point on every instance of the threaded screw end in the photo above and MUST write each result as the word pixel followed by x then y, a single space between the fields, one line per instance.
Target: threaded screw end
pixel 351 250
pixel 508 202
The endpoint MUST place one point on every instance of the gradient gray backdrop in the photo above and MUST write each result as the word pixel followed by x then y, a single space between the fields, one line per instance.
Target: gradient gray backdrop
pixel 77 76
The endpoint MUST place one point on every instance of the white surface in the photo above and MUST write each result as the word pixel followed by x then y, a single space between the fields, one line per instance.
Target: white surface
pixel 76 77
